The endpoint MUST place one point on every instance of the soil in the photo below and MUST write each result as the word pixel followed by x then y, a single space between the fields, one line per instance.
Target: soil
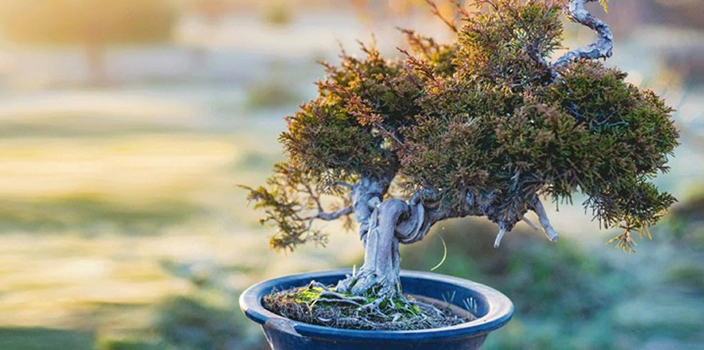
pixel 321 305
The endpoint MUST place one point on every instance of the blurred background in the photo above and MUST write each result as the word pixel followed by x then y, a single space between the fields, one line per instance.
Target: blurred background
pixel 125 125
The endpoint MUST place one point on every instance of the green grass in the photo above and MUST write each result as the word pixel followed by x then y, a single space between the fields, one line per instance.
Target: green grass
pixel 45 339
pixel 88 212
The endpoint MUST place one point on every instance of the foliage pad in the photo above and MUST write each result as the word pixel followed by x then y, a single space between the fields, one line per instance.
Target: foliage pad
pixel 484 126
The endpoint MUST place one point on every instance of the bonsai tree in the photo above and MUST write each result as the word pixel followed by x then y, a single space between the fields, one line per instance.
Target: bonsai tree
pixel 90 23
pixel 484 126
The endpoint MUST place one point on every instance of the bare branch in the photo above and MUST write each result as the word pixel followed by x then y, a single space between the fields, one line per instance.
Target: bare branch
pixel 333 216
pixel 544 222
pixel 530 223
pixel 334 295
pixel 434 9
pixel 602 48
pixel 423 195
pixel 459 7
pixel 502 232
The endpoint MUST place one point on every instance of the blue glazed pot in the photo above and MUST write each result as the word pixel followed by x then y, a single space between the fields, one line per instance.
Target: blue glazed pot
pixel 492 309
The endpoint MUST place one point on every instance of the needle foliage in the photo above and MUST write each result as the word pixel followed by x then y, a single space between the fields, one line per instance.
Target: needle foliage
pixel 483 115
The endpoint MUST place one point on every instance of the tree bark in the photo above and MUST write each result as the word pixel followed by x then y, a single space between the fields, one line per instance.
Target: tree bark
pixel 602 48
pixel 387 224
pixel 380 272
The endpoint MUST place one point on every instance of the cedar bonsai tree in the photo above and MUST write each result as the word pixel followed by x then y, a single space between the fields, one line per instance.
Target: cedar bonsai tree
pixel 483 126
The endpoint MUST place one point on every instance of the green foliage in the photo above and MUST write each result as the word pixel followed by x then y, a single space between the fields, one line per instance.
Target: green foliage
pixel 485 117
pixel 438 56
pixel 288 203
pixel 350 129
pixel 497 45
pixel 572 295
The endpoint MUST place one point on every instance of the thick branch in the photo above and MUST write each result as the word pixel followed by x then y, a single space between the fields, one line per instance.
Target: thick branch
pixel 423 195
pixel 544 222
pixel 333 216
pixel 367 193
pixel 502 232
pixel 602 48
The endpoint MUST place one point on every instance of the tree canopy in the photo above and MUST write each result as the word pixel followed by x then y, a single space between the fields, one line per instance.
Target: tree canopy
pixel 481 126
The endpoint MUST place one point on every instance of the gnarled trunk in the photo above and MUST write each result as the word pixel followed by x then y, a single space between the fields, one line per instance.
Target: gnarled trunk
pixel 380 272
pixel 384 225
pixel 391 222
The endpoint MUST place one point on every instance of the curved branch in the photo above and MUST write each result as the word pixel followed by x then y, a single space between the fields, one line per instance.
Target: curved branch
pixel 544 221
pixel 333 216
pixel 602 48
pixel 423 195
pixel 500 236
pixel 322 214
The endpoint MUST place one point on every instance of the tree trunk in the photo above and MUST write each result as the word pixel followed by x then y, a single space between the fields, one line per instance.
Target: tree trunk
pixel 391 222
pixel 384 225
pixel 380 272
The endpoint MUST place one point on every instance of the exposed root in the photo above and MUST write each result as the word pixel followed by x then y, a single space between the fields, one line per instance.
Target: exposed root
pixel 366 282
pixel 430 307
pixel 335 300
pixel 322 305
pixel 373 306
pixel 338 296
pixel 319 285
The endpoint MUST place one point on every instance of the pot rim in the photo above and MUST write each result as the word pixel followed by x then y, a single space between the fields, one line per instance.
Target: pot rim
pixel 500 310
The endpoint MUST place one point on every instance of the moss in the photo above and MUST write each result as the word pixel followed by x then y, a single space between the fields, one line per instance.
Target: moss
pixel 310 294
pixel 306 304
